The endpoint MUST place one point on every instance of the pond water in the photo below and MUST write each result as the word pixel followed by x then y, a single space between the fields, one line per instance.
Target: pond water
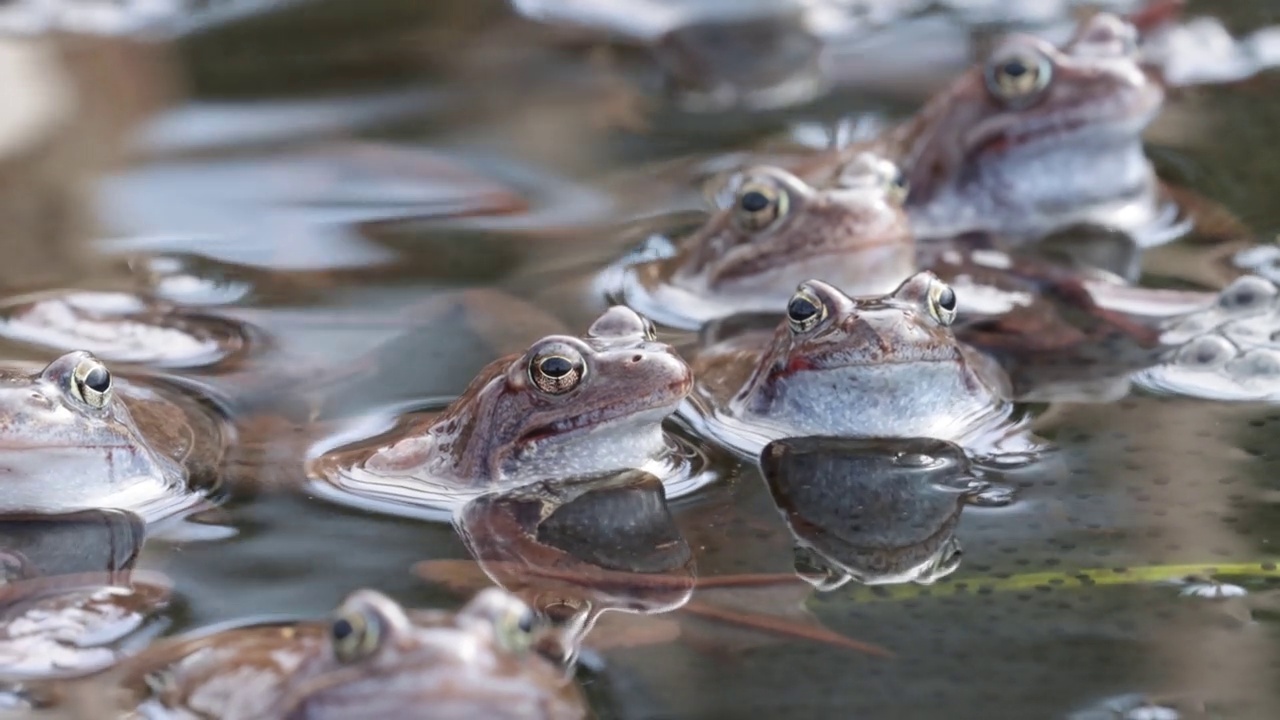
pixel 355 182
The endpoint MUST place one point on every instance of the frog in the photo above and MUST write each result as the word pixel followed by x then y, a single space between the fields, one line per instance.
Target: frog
pixel 371 658
pixel 771 230
pixel 1228 351
pixel 74 436
pixel 566 406
pixel 1034 139
pixel 875 366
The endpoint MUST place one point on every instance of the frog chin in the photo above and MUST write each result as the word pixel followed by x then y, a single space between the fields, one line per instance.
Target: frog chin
pixel 620 444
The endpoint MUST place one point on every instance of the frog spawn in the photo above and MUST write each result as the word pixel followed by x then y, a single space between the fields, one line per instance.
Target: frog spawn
pixel 1230 351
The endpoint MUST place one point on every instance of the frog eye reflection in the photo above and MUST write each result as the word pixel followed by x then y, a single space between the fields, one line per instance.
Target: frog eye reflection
pixel 805 311
pixel 91 382
pixel 942 302
pixel 758 205
pixel 355 635
pixel 557 373
pixel 1018 77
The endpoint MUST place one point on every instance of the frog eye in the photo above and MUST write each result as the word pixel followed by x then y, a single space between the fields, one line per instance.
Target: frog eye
pixel 558 371
pixel 942 302
pixel 515 627
pixel 1017 77
pixel 650 331
pixel 805 311
pixel 897 186
pixel 759 204
pixel 91 382
pixel 355 634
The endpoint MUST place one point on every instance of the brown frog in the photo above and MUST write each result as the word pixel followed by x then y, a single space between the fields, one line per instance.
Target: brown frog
pixel 1034 139
pixel 373 658
pixel 567 406
pixel 886 366
pixel 73 436
pixel 773 230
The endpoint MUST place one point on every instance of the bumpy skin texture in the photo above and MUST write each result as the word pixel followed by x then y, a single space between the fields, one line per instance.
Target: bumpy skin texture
pixel 385 662
pixel 506 428
pixel 1057 143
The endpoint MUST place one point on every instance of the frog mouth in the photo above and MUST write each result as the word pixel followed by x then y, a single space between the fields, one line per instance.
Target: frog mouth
pixel 652 408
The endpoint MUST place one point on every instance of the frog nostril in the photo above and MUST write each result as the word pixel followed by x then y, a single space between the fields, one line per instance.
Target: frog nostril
pixel 636 358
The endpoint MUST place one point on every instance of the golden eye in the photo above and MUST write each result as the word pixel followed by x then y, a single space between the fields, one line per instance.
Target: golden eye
pixel 942 302
pixel 556 373
pixel 91 382
pixel 1018 77
pixel 805 311
pixel 355 635
pixel 758 205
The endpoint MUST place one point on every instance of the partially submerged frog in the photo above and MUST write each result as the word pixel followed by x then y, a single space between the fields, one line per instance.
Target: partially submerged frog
pixel 1034 139
pixel 886 366
pixel 772 231
pixel 373 658
pixel 566 407
pixel 120 327
pixel 73 436
pixel 1229 351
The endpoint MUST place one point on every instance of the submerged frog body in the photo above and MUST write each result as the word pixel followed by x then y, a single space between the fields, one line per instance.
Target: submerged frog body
pixel 371 659
pixel 774 230
pixel 74 437
pixel 1228 351
pixel 1034 139
pixel 566 407
pixel 885 366
pixel 120 327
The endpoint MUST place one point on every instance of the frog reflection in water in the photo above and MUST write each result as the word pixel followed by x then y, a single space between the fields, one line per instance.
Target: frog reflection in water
pixel 74 437
pixel 875 366
pixel 1034 139
pixel 372 659
pixel 772 231
pixel 568 406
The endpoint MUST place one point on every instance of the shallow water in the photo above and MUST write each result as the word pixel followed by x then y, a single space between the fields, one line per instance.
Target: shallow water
pixel 360 188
